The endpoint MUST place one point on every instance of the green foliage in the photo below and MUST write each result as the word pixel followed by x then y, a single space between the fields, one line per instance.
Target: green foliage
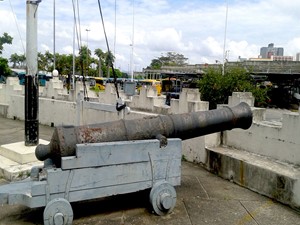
pixel 5 39
pixel 95 89
pixel 18 60
pixel 170 59
pixel 4 68
pixel 216 88
pixel 84 62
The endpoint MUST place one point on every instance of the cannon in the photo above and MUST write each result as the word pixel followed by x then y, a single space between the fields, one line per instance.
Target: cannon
pixel 119 157
pixel 183 126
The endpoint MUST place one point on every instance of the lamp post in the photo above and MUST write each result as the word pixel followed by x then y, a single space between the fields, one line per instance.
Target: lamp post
pixel 87 51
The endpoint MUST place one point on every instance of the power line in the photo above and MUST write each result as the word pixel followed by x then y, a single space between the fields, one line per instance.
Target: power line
pixel 15 18
pixel 225 33
pixel 107 45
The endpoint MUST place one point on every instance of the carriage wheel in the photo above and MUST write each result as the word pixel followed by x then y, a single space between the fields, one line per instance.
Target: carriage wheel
pixel 163 198
pixel 58 212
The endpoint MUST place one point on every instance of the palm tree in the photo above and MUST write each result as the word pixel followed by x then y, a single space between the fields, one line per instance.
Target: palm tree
pixel 84 53
pixel 98 52
pixel 42 64
pixel 14 58
pixel 109 60
pixel 49 59
pixel 22 59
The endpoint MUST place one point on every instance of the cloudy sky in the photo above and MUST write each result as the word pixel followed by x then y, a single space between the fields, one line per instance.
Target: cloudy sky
pixel 194 28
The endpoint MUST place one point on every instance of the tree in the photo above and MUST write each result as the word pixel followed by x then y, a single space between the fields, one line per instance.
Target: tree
pixel 64 63
pixel 22 59
pixel 49 58
pixel 14 59
pixel 4 68
pixel 5 39
pixel 109 61
pixel 84 54
pixel 171 59
pixel 18 60
pixel 175 59
pixel 215 87
pixel 42 63
pixel 100 54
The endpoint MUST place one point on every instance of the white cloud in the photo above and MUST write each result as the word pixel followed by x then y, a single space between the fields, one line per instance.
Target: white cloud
pixel 194 28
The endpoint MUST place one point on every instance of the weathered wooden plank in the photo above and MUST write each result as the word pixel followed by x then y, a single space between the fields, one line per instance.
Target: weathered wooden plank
pixel 81 195
pixel 40 201
pixel 38 188
pixel 87 194
pixel 96 177
pixel 102 154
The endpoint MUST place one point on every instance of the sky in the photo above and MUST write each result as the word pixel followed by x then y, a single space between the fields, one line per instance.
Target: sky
pixel 194 28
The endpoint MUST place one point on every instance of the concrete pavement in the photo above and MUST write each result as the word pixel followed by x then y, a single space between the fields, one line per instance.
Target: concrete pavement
pixel 202 198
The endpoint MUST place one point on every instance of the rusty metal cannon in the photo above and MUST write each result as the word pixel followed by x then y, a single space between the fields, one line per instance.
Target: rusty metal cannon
pixel 89 162
pixel 183 126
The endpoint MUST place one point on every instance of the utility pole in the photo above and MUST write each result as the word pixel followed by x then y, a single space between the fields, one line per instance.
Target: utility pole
pixel 31 78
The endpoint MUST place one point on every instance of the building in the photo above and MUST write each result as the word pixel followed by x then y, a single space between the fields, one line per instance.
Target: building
pixel 268 52
pixel 298 56
pixel 281 58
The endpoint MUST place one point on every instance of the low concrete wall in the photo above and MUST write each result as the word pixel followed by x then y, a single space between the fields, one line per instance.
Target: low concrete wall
pixel 3 109
pixel 265 158
pixel 281 142
pixel 278 140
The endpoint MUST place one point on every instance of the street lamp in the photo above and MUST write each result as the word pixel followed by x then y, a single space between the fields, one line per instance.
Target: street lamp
pixel 87 51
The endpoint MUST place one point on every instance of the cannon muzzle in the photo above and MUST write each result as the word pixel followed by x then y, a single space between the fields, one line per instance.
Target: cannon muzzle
pixel 184 126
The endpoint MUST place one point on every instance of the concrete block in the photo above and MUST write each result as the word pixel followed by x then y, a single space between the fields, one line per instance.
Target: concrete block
pixel 12 171
pixel 277 180
pixel 20 153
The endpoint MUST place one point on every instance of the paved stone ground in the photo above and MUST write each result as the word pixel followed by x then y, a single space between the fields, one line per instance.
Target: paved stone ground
pixel 202 198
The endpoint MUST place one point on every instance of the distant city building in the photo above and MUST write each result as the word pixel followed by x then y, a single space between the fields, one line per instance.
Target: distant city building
pixel 260 59
pixel 281 58
pixel 268 52
pixel 240 59
pixel 298 56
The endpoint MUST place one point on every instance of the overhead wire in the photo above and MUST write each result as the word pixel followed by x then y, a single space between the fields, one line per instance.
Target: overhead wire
pixel 76 26
pixel 115 36
pixel 78 35
pixel 108 50
pixel 78 15
pixel 17 25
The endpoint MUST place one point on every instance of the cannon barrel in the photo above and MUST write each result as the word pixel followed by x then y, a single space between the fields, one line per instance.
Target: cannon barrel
pixel 184 126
